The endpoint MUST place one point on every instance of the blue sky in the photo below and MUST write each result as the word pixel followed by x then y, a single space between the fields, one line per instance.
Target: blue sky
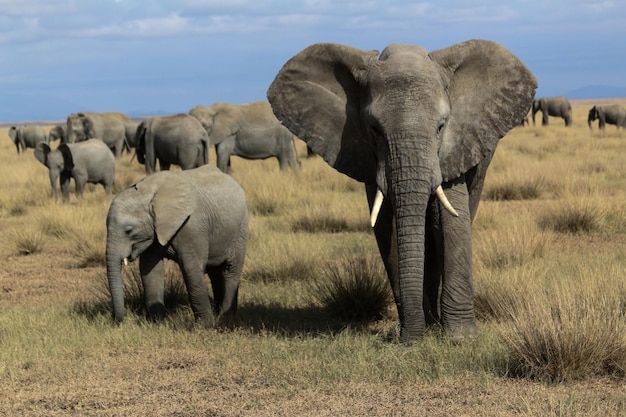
pixel 147 57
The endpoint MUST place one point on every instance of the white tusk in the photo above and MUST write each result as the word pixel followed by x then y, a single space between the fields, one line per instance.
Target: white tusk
pixel 125 261
pixel 378 202
pixel 444 200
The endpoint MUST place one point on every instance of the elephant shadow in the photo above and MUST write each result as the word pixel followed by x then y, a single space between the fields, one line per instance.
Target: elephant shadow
pixel 253 317
pixel 287 321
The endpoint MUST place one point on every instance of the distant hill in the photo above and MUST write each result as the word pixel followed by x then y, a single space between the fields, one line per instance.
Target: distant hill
pixel 596 91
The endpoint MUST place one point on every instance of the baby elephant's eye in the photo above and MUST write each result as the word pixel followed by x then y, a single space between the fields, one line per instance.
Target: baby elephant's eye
pixel 128 230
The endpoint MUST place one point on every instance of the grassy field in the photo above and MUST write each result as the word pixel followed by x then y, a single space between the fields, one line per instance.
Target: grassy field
pixel 549 265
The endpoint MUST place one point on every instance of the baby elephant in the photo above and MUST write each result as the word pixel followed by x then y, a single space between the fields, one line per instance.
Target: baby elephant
pixel 88 161
pixel 197 218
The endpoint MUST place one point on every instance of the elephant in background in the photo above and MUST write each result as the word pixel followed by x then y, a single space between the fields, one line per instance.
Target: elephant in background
pixel 613 114
pixel 197 218
pixel 57 133
pixel 27 136
pixel 109 127
pixel 130 130
pixel 552 106
pixel 172 140
pixel 88 161
pixel 249 130
pixel 407 123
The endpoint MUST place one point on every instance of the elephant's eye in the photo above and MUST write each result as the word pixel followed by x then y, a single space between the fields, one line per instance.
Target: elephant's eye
pixel 442 123
pixel 128 230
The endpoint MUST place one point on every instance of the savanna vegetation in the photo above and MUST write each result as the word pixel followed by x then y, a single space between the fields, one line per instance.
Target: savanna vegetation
pixel 314 307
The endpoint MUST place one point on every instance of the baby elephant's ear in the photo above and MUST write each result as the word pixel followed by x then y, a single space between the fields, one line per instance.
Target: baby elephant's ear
pixel 173 203
pixel 41 152
pixel 68 160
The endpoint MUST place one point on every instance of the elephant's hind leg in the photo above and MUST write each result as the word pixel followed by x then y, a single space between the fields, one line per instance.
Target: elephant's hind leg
pixel 225 283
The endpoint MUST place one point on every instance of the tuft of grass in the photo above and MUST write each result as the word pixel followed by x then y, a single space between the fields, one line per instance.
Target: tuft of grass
pixel 297 269
pixel 574 217
pixel 354 288
pixel 263 205
pixel 514 246
pixel 28 241
pixel 526 189
pixel 569 331
pixel 320 223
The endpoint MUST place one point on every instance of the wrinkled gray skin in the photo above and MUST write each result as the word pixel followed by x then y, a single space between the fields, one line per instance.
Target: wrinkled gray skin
pixel 88 161
pixel 404 122
pixel 172 140
pixel 552 106
pixel 197 218
pixel 57 133
pixel 613 114
pixel 109 127
pixel 28 136
pixel 249 130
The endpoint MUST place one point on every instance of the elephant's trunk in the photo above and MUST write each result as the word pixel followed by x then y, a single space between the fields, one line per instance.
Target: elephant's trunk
pixel 411 186
pixel 54 179
pixel 116 285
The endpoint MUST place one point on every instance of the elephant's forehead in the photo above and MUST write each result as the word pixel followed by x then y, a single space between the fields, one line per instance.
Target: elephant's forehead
pixel 399 49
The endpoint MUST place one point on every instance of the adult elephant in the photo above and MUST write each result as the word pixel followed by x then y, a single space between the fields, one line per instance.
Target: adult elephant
pixel 89 161
pixel 552 106
pixel 199 219
pixel 57 133
pixel 27 136
pixel 249 130
pixel 109 127
pixel 178 139
pixel 613 114
pixel 408 122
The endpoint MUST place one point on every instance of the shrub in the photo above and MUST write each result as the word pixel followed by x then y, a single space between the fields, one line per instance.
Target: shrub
pixel 354 288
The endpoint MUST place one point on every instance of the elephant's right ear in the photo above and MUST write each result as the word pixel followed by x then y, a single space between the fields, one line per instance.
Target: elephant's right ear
pixel 172 204
pixel 41 152
pixel 317 96
pixel 68 159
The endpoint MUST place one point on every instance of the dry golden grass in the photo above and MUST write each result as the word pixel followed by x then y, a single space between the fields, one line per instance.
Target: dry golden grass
pixel 549 279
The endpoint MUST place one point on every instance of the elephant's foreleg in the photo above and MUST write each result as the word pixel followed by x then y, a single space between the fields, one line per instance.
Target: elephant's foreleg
pixel 433 263
pixel 457 291
pixel 152 273
pixel 193 274
pixel 65 186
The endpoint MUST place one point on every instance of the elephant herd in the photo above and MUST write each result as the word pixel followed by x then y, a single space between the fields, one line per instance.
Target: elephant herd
pixel 613 114
pixel 250 131
pixel 418 128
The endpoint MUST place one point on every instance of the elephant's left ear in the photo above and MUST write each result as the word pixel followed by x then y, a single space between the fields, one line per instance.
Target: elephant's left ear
pixel 172 205
pixel 490 91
